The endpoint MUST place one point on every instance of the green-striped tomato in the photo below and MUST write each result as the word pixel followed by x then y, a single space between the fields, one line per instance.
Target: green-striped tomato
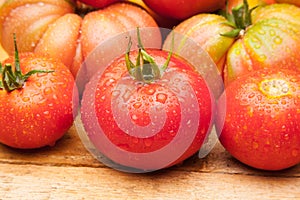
pixel 271 40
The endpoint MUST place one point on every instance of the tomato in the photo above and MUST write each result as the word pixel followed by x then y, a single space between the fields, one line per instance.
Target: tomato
pixel 260 124
pixel 38 110
pixel 148 119
pixel 162 21
pixel 99 3
pixel 46 26
pixel 269 39
pixel 295 2
pixel 252 3
pixel 178 9
pixel 275 26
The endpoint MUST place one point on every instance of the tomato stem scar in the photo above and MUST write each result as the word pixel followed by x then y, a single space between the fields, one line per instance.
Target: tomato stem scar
pixel 274 88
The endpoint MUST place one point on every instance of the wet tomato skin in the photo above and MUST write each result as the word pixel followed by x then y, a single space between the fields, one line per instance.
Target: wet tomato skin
pixel 146 104
pixel 41 112
pixel 260 124
pixel 99 3
pixel 183 9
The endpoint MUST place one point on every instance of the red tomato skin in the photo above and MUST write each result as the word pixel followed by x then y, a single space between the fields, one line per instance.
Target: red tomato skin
pixel 295 2
pixel 101 25
pixel 143 98
pixel 259 129
pixel 252 3
pixel 44 26
pixel 178 9
pixel 99 3
pixel 42 111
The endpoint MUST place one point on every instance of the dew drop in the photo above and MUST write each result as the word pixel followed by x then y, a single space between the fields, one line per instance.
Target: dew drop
pixel 137 105
pixel 148 142
pixel 278 40
pixel 25 99
pixel 161 98
pixel 262 32
pixel 255 145
pixel 262 58
pixel 257 46
pixel 47 90
pixel 134 117
pixel 272 32
pixel 150 91
pixel 116 93
pixel 295 153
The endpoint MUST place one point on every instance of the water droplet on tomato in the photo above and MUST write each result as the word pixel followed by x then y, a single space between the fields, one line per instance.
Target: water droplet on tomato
pixel 116 93
pixel 286 136
pixel 25 99
pixel 160 97
pixel 134 117
pixel 135 140
pixel 150 91
pixel 262 32
pixel 47 90
pixel 272 32
pixel 278 40
pixel 255 145
pixel 32 44
pixel 137 105
pixel 109 82
pixel 262 58
pixel 295 153
pixel 257 46
pixel 148 142
pixel 126 96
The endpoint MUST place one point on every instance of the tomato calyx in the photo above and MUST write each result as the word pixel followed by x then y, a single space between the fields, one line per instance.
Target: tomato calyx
pixel 239 19
pixel 145 69
pixel 13 78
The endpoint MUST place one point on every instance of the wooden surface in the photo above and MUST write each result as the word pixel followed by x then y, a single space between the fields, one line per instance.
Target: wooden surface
pixel 69 171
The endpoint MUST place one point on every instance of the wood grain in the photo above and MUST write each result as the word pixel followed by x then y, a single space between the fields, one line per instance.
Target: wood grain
pixel 62 182
pixel 69 171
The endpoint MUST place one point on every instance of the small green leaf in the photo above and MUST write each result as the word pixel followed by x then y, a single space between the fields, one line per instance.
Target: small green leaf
pixel 13 78
pixel 239 19
pixel 145 69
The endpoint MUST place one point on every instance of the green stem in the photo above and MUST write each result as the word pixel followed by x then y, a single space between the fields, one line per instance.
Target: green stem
pixel 145 69
pixel 13 78
pixel 239 19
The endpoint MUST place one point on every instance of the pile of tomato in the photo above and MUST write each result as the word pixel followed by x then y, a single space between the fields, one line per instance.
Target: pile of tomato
pixel 150 108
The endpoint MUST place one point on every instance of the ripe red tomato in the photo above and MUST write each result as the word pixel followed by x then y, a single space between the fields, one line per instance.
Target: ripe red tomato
pixel 46 26
pixel 252 3
pixel 151 124
pixel 39 110
pixel 260 124
pixel 178 9
pixel 99 3
pixel 295 2
pixel 270 38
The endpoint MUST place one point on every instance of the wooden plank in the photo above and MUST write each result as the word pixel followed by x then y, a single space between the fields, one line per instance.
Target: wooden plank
pixel 69 151
pixel 54 182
